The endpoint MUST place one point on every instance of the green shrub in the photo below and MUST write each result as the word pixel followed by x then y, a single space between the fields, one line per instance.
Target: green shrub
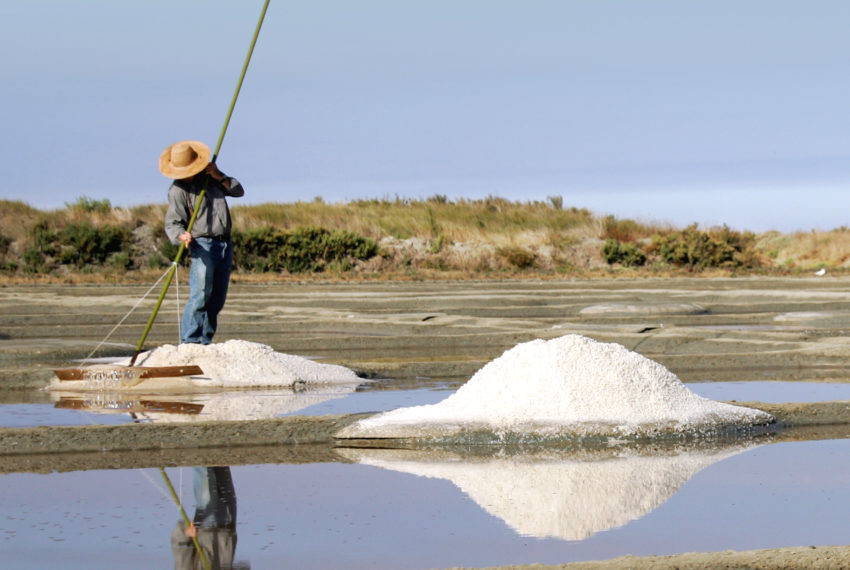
pixel 120 260
pixel 624 253
pixel 44 238
pixel 83 244
pixel 5 263
pixel 697 249
pixel 307 249
pixel 34 261
pixel 42 246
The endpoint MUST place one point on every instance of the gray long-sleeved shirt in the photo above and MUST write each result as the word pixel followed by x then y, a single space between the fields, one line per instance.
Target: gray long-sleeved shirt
pixel 213 218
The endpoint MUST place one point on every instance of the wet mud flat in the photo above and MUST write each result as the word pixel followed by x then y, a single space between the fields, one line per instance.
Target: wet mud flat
pixel 701 329
pixel 410 334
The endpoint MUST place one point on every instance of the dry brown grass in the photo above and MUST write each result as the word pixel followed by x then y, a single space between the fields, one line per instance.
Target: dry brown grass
pixel 16 218
pixel 436 238
pixel 465 220
pixel 807 250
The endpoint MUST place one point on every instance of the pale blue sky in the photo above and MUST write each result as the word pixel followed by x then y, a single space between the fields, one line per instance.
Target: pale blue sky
pixel 712 112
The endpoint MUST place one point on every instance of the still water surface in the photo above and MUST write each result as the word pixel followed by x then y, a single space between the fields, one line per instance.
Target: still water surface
pixel 382 515
pixel 323 400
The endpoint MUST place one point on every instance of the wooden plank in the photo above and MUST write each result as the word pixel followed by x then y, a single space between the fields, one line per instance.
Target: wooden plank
pixel 128 372
pixel 169 371
pixel 137 406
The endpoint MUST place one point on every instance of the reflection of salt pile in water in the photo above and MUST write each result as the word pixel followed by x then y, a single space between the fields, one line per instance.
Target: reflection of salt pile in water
pixel 571 385
pixel 182 407
pixel 553 494
pixel 254 405
pixel 248 364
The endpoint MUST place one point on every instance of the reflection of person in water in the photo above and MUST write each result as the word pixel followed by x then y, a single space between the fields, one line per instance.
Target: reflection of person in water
pixel 214 523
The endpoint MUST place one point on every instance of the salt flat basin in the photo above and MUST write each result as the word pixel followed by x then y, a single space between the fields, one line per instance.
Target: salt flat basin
pixel 303 511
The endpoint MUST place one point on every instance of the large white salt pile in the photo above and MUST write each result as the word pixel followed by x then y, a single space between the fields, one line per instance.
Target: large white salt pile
pixel 245 364
pixel 561 495
pixel 570 384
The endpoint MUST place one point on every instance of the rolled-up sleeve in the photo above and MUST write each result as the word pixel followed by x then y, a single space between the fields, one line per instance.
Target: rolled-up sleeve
pixel 235 190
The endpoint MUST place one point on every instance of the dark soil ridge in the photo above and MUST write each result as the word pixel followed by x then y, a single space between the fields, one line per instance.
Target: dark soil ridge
pixel 291 439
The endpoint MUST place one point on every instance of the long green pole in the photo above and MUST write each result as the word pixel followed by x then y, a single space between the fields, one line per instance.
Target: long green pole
pixel 200 199
pixel 186 520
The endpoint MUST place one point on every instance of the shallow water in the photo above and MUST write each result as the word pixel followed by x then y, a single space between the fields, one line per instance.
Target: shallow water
pixel 773 392
pixel 338 515
pixel 239 405
pixel 366 398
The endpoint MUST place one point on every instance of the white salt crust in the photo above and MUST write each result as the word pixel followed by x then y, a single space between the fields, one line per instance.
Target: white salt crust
pixel 240 363
pixel 571 382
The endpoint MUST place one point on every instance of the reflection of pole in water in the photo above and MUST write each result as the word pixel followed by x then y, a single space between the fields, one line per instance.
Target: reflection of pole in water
pixel 558 494
pixel 213 527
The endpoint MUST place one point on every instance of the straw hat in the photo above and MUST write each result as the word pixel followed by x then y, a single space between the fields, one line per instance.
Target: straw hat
pixel 184 159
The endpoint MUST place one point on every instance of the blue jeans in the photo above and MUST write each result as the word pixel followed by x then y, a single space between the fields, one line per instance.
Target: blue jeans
pixel 209 277
pixel 215 498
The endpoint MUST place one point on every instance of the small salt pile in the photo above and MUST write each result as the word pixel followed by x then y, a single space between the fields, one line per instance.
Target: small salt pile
pixel 571 384
pixel 246 364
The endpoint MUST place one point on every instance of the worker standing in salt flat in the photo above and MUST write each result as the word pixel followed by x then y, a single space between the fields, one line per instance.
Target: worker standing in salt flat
pixel 209 243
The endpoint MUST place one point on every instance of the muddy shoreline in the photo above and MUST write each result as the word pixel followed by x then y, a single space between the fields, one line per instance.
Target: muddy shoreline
pixel 791 558
pixel 148 444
